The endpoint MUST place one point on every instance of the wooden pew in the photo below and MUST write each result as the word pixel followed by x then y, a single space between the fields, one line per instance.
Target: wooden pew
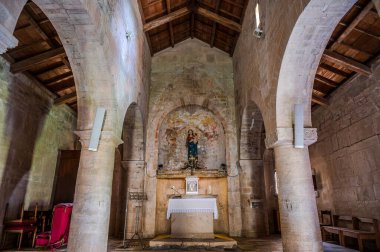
pixel 358 228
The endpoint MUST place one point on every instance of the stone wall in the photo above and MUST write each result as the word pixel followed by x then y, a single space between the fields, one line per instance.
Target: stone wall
pixel 257 62
pixel 192 73
pixel 32 131
pixel 346 157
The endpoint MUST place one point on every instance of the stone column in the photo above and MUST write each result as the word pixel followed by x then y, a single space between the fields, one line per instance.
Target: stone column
pixel 300 229
pixel 91 212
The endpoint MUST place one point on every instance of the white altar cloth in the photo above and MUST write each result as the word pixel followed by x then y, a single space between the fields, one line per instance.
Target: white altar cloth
pixel 192 205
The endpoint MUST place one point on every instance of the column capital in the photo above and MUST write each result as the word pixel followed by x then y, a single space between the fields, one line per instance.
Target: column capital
pixel 106 137
pixel 284 136
pixel 7 40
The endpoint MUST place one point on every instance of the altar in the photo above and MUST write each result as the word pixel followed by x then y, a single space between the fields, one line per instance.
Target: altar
pixel 192 216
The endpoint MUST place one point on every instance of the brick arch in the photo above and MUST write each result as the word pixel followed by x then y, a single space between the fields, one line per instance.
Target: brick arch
pixel 303 52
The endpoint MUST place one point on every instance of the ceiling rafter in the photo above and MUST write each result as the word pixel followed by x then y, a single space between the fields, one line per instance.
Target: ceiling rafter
pixel 40 56
pixel 221 16
pixel 348 52
pixel 347 62
pixel 29 63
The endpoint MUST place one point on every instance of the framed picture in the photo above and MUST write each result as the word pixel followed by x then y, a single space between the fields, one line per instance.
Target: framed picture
pixel 192 185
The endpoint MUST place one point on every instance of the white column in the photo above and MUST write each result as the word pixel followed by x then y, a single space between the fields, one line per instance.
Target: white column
pixel 91 212
pixel 300 229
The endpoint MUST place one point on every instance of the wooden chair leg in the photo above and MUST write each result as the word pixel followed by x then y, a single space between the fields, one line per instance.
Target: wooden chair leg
pixel 4 239
pixel 323 234
pixel 342 241
pixel 20 240
pixel 34 237
pixel 360 243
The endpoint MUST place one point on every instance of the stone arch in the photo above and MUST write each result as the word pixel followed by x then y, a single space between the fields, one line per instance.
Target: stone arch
pixel 251 150
pixel 128 172
pixel 77 24
pixel 303 52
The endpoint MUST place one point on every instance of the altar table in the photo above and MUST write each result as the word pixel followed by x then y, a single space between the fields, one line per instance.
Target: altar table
pixel 192 216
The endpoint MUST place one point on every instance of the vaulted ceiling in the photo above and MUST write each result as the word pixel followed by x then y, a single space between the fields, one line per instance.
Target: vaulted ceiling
pixel 353 46
pixel 216 22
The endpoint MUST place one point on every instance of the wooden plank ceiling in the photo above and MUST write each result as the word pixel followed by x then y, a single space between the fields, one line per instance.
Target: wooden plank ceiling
pixel 354 44
pixel 215 22
pixel 40 55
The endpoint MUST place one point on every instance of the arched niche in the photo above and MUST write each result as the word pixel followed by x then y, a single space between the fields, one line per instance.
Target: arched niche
pixel 133 134
pixel 173 132
pixel 251 133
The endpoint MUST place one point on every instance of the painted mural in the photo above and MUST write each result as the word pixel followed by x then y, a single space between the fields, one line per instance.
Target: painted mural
pixel 191 136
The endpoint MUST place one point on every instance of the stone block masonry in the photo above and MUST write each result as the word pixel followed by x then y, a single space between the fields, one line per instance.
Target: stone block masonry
pixel 346 157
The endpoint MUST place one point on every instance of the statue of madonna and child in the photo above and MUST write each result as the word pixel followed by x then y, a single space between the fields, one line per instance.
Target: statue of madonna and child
pixel 192 149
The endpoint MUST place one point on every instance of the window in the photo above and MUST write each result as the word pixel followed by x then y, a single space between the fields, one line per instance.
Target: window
pixel 275 183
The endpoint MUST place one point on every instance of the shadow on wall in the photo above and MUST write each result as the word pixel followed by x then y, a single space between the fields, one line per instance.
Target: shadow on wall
pixel 25 116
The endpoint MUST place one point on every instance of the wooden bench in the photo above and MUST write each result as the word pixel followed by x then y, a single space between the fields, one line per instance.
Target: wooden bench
pixel 358 228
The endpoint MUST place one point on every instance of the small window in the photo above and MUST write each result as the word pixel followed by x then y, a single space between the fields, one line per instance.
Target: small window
pixel 257 14
pixel 275 183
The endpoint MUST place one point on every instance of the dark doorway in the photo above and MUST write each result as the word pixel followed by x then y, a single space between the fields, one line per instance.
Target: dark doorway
pixel 66 176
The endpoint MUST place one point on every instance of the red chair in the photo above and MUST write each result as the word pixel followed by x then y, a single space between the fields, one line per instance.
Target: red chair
pixel 25 224
pixel 59 234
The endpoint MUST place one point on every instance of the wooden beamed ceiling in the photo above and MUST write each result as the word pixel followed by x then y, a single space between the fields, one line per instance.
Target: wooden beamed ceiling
pixel 215 22
pixel 354 44
pixel 40 55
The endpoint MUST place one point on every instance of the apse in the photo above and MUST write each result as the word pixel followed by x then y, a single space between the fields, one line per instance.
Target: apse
pixel 173 134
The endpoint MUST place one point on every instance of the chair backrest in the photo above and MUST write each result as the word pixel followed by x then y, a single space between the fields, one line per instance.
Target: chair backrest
pixel 367 224
pixel 344 221
pixel 23 215
pixel 61 222
pixel 326 217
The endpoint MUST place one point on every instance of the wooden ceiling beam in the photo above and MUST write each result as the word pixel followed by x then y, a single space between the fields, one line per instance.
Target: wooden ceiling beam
pixel 234 3
pixel 166 19
pixel 66 62
pixel 346 62
pixel 65 99
pixel 325 81
pixel 146 33
pixel 217 7
pixel 38 28
pixel 192 24
pixel 28 63
pixel 69 83
pixel 168 8
pixel 320 100
pixel 58 78
pixel 219 19
pixel 334 70
pixel 353 24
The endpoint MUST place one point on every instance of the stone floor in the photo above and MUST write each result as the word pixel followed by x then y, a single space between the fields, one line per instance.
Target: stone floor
pixel 269 244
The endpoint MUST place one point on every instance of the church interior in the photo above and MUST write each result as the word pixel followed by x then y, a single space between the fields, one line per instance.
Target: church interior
pixel 195 125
